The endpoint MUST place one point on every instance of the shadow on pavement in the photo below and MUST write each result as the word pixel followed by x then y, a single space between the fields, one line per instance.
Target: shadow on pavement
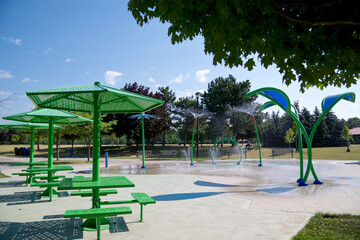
pixel 11 184
pixel 41 230
pixel 66 229
pixel 19 198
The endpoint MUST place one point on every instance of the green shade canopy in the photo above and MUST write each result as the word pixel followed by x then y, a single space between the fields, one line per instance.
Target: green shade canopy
pixel 47 115
pixel 81 99
pixel 32 127
pixel 95 99
pixel 27 126
pixel 50 116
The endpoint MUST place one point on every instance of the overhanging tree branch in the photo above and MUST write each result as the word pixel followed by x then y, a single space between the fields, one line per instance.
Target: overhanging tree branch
pixel 317 23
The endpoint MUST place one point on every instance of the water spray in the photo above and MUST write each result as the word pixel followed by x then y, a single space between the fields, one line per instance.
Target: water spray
pixel 257 136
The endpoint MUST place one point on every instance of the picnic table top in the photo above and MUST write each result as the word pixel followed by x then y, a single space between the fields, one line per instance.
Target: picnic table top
pixel 29 164
pixel 53 169
pixel 87 183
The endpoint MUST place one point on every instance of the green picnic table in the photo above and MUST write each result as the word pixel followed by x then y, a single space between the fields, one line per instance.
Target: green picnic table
pixel 88 183
pixel 30 177
pixel 50 182
pixel 95 99
pixel 29 163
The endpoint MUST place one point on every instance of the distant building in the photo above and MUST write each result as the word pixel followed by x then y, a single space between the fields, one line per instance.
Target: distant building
pixel 356 134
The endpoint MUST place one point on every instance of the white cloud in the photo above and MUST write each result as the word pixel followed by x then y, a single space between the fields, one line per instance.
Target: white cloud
pixel 151 79
pixel 111 77
pixel 14 41
pixel 179 79
pixel 87 72
pixel 48 50
pixel 200 75
pixel 25 80
pixel 68 60
pixel 5 74
pixel 185 93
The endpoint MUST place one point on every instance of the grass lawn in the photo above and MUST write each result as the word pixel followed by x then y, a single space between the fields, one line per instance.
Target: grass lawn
pixel 3 175
pixel 330 226
pixel 80 151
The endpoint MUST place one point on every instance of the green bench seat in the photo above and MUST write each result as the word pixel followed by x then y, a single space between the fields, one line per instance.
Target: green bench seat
pixel 97 213
pixel 23 174
pixel 46 184
pixel 103 192
pixel 142 198
pixel 46 177
pixel 30 177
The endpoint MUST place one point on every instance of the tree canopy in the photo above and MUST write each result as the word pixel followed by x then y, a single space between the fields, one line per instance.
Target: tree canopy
pixel 314 42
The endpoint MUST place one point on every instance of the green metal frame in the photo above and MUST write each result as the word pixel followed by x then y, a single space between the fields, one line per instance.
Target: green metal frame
pixel 325 112
pixel 49 116
pixel 32 127
pixel 95 98
pixel 270 104
pixel 142 116
pixel 294 115
pixel 224 139
pixel 295 118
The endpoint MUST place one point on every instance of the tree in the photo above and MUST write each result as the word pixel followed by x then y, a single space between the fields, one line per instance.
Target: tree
pixel 346 135
pixel 132 128
pixel 314 42
pixel 353 122
pixel 322 132
pixel 70 132
pixel 290 136
pixel 335 127
pixel 221 95
pixel 306 120
pixel 184 118
pixel 169 108
pixel 272 133
pixel 15 138
pixel 5 136
pixel 85 131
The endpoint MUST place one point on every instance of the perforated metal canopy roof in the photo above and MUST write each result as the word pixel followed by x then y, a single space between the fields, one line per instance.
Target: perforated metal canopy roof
pixel 81 99
pixel 47 115
pixel 27 126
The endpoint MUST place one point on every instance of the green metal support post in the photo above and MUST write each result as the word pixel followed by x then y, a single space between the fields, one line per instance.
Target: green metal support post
pixel 96 150
pixel 91 223
pixel 50 191
pixel 300 153
pixel 32 140
pixel 143 141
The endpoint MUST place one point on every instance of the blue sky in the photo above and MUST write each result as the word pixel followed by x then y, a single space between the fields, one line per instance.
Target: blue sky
pixel 49 44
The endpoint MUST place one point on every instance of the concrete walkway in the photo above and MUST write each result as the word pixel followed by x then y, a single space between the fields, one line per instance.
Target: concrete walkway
pixel 193 202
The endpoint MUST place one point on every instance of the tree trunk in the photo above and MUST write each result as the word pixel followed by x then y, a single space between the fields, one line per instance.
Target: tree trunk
pixel 38 142
pixel 57 147
pixel 164 138
pixel 117 141
pixel 348 149
pixel 89 149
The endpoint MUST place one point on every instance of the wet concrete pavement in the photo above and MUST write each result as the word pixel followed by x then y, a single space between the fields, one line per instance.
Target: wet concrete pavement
pixel 205 201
